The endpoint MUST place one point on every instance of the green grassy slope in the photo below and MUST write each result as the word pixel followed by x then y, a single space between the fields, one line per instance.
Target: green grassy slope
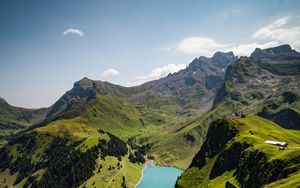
pixel 106 177
pixel 28 159
pixel 157 124
pixel 291 181
pixel 251 133
pixel 114 115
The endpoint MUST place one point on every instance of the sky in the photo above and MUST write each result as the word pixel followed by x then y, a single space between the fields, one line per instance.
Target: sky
pixel 46 46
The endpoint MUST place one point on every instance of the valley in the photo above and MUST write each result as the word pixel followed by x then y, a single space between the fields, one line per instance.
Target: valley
pixel 210 119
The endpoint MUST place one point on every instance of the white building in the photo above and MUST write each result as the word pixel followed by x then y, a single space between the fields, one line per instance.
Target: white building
pixel 276 143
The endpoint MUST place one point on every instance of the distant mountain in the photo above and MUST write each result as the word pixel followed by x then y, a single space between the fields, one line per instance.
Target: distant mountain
pixel 191 86
pixel 283 52
pixel 13 119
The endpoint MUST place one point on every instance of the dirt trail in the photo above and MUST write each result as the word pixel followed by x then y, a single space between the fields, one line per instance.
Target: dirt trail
pixel 115 175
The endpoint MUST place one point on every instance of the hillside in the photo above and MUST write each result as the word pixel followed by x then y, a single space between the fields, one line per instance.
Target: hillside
pixel 14 119
pixel 235 153
pixel 266 84
pixel 67 153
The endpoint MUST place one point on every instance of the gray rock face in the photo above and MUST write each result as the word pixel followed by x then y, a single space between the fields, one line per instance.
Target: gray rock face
pixel 280 52
pixel 267 84
pixel 2 101
pixel 195 84
pixel 78 95
pixel 222 60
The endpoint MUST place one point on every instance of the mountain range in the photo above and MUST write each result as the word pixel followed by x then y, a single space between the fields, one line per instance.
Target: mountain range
pixel 211 119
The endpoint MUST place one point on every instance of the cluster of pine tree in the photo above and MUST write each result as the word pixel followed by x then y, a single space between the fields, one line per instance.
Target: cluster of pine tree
pixel 137 157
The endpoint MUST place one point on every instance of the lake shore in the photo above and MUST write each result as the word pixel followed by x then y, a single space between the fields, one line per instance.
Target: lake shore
pixel 158 176
pixel 146 164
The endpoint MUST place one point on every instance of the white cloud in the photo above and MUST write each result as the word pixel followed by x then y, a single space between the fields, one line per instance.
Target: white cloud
pixel 285 30
pixel 209 47
pixel 162 71
pixel 157 73
pixel 268 31
pixel 74 31
pixel 110 72
pixel 247 49
pixel 199 45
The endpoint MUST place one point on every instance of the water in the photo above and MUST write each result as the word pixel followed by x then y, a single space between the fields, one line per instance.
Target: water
pixel 159 177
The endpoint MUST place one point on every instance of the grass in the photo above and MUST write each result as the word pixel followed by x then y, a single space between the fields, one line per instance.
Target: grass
pixel 6 178
pixel 21 184
pixel 220 181
pixel 156 123
pixel 113 115
pixel 291 181
pixel 106 177
pixel 193 177
pixel 88 143
pixel 100 179
pixel 255 131
pixel 70 127
pixel 266 130
pixel 14 119
pixel 75 130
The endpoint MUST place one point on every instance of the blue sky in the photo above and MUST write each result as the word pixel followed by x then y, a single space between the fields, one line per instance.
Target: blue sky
pixel 45 46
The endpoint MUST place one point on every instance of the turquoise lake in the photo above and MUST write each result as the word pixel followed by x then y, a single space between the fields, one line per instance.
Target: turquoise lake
pixel 159 177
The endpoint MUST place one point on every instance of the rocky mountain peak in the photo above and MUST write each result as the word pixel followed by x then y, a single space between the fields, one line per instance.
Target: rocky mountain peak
pixel 88 87
pixel 218 60
pixel 80 94
pixel 281 52
pixel 84 83
pixel 2 101
pixel 223 59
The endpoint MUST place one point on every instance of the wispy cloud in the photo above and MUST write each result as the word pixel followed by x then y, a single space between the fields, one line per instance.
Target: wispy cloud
pixel 268 31
pixel 285 30
pixel 110 72
pixel 74 31
pixel 232 13
pixel 157 73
